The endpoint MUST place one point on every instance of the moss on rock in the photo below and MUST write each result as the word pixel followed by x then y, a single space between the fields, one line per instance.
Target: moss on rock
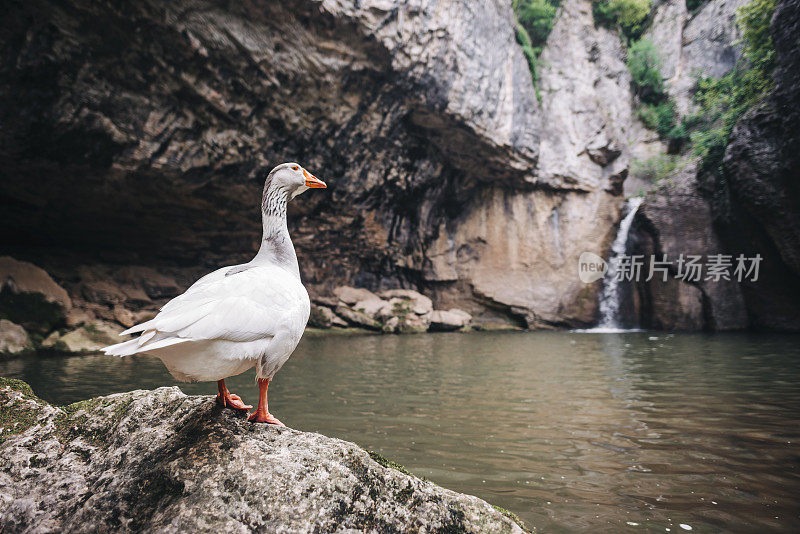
pixel 17 414
pixel 388 463
pixel 512 516
pixel 155 460
pixel 17 385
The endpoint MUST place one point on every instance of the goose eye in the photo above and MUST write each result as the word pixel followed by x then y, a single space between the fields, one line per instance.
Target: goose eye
pixel 294 167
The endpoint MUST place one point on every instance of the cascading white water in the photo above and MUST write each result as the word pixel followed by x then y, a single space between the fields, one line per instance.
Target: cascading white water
pixel 609 297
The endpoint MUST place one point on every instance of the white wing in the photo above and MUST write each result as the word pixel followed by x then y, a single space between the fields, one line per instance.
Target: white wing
pixel 248 305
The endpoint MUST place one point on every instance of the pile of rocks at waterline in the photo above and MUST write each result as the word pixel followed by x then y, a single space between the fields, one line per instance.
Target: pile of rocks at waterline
pixel 161 461
pixel 392 311
pixel 36 312
pixel 90 310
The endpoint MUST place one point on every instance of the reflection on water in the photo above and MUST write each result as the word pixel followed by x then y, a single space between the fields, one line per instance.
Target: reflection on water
pixel 596 432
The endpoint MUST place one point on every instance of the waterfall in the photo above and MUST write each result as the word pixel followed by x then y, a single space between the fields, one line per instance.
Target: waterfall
pixel 609 297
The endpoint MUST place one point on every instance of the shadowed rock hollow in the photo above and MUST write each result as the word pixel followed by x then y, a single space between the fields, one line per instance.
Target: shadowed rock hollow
pixel 161 461
pixel 138 134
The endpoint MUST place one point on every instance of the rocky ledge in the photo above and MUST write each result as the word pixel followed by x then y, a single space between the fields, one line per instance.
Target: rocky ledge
pixel 161 461
pixel 37 313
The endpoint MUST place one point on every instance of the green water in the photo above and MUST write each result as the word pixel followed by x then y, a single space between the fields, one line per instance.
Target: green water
pixel 592 432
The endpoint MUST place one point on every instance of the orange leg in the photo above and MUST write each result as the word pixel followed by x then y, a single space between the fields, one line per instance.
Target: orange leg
pixel 228 400
pixel 262 415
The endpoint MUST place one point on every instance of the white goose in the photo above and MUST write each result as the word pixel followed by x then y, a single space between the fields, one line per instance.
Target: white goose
pixel 239 316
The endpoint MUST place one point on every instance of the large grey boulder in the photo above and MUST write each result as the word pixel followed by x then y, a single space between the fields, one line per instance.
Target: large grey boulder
pixel 453 319
pixel 13 338
pixel 351 295
pixel 399 311
pixel 420 304
pixel 30 296
pixel 407 311
pixel 159 461
pixel 28 278
pixel 90 337
pixel 323 317
pixel 357 318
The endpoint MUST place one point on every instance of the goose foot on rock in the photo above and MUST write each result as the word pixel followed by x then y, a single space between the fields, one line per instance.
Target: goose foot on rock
pixel 226 399
pixel 264 417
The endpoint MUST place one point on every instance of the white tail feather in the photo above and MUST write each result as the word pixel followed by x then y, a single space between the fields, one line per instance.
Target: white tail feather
pixel 141 327
pixel 149 340
pixel 125 348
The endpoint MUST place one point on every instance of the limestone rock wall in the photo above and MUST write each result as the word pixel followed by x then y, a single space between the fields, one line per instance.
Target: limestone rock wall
pixel 676 219
pixel 753 210
pixel 518 250
pixel 136 137
pixel 703 43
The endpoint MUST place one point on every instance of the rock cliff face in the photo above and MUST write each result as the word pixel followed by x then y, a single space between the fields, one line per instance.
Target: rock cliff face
pixel 704 43
pixel 762 166
pixel 136 138
pixel 676 219
pixel 159 461
pixel 754 210
pixel 520 248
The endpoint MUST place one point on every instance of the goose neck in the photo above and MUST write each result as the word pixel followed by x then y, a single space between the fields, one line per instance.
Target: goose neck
pixel 276 245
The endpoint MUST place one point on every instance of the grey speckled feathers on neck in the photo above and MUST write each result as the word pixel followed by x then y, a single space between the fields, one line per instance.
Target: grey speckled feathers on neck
pixel 276 245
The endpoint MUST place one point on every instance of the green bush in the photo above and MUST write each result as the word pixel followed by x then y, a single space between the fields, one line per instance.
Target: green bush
pixel 754 20
pixel 657 110
pixel 628 15
pixel 537 17
pixel 644 63
pixel 658 117
pixel 715 118
pixel 656 168
pixel 535 20
pixel 527 49
pixel 662 118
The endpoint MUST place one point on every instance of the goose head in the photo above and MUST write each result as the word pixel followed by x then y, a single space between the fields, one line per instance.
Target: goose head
pixel 292 179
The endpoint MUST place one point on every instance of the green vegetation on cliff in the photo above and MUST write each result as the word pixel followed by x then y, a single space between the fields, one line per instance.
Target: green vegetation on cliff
pixel 721 101
pixel 628 15
pixel 656 108
pixel 694 5
pixel 724 100
pixel 534 20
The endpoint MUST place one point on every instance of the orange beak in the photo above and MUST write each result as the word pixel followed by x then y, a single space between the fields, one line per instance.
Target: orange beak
pixel 313 182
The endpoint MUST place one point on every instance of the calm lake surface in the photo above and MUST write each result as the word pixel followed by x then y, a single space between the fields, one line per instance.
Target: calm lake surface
pixel 572 431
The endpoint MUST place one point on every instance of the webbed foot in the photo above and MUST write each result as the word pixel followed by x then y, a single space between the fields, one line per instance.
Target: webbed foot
pixel 260 416
pixel 226 399
pixel 233 402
